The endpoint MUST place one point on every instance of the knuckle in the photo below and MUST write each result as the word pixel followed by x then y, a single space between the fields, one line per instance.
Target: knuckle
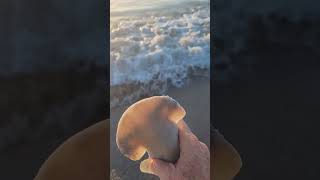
pixel 195 138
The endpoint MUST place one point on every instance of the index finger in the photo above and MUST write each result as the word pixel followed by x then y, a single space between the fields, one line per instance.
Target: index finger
pixel 186 138
pixel 182 126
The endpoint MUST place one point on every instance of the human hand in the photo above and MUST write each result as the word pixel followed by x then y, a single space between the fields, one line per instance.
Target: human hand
pixel 193 163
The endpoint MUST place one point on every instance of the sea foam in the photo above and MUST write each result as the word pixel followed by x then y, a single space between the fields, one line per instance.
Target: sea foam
pixel 159 49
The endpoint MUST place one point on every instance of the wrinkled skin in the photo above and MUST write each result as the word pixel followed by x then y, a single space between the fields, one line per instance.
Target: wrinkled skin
pixel 194 161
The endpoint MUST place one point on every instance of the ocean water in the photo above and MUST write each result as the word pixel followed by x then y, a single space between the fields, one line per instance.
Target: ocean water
pixel 155 45
pixel 143 5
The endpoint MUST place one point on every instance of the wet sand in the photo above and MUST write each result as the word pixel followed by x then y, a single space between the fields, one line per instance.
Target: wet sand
pixel 194 97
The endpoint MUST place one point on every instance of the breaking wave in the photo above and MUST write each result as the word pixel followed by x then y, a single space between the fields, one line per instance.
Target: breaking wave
pixel 158 49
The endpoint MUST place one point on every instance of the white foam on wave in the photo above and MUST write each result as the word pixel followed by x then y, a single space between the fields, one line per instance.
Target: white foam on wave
pixel 155 50
pixel 160 47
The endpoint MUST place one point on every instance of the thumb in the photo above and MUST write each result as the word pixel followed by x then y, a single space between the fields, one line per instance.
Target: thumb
pixel 157 167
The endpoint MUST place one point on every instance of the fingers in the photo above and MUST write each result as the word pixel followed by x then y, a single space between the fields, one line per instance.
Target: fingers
pixel 188 141
pixel 185 132
pixel 157 167
pixel 204 148
pixel 182 126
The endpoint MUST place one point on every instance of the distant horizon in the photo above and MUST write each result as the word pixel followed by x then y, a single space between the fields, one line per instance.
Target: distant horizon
pixel 118 6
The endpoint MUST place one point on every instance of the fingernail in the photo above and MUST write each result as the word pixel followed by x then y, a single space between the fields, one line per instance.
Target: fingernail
pixel 145 166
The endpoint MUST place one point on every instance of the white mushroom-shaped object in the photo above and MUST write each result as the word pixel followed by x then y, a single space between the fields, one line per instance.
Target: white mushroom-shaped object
pixel 150 125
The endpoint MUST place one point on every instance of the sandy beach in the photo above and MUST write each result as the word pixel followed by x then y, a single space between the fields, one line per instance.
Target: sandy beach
pixel 194 97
